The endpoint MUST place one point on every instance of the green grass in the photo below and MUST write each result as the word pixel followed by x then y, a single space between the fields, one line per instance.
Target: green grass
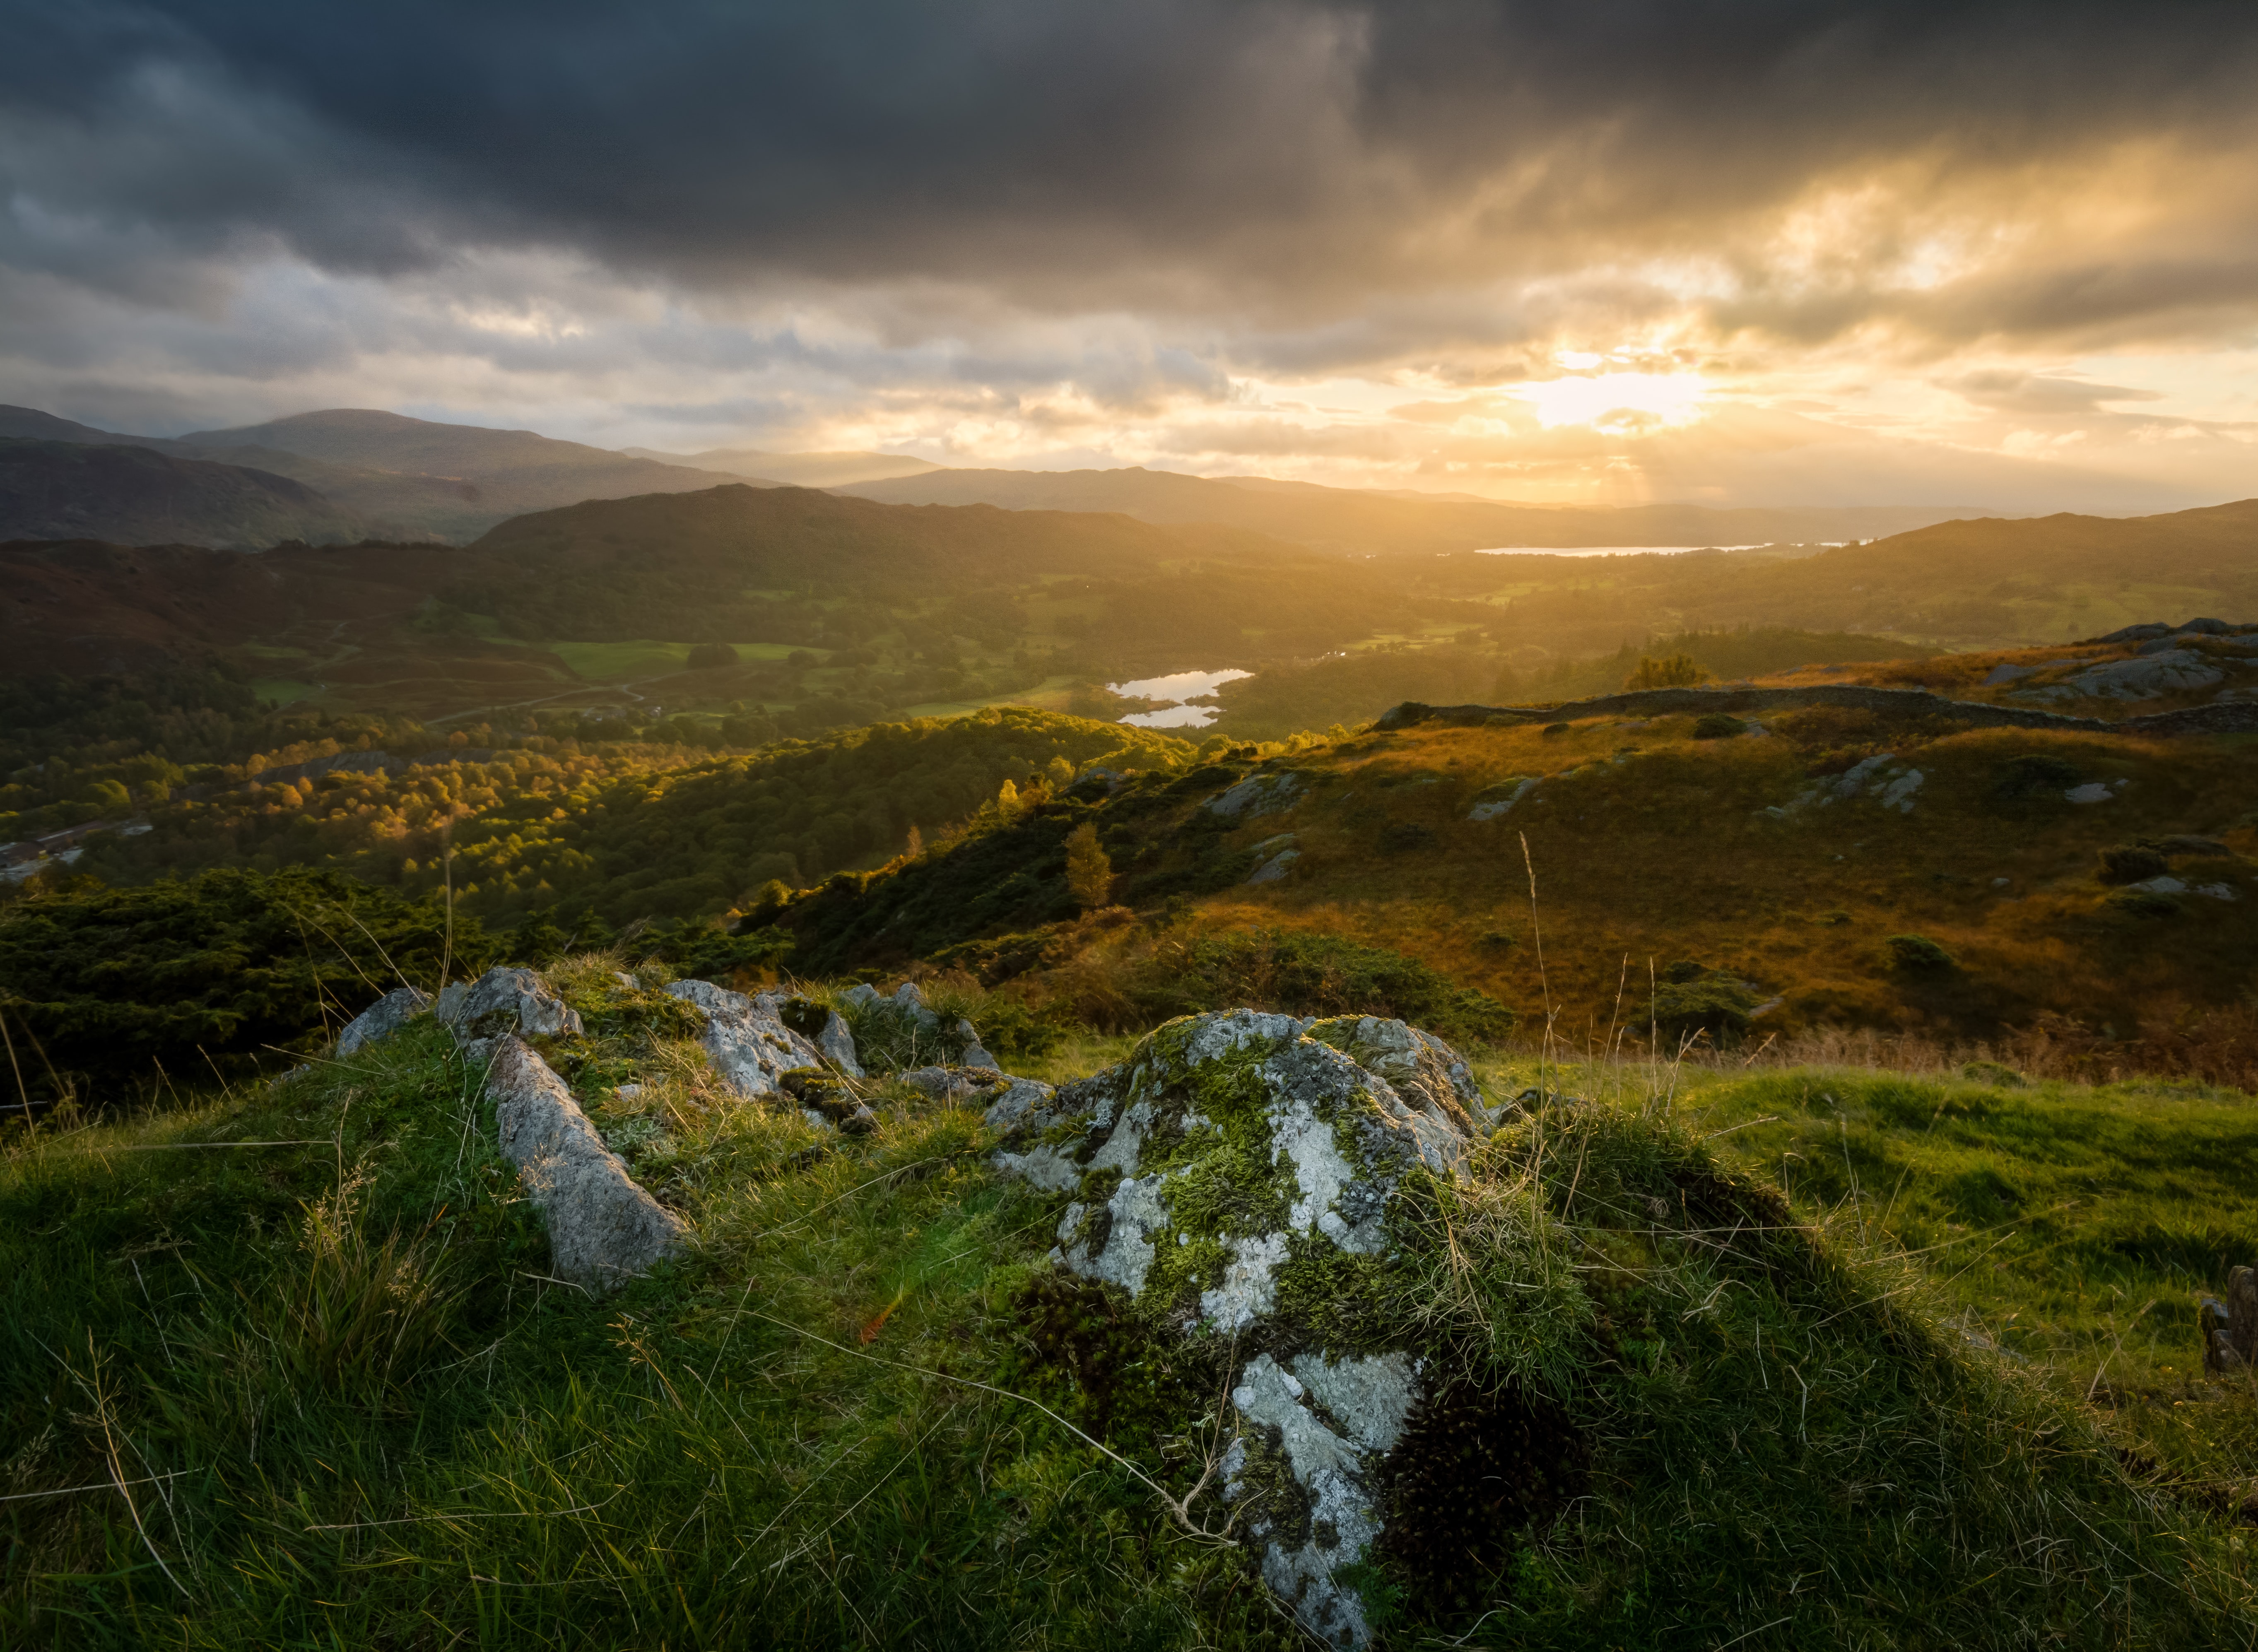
pixel 282 690
pixel 610 662
pixel 350 1408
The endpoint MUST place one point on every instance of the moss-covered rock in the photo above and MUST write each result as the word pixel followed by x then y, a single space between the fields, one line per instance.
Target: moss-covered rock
pixel 1246 1182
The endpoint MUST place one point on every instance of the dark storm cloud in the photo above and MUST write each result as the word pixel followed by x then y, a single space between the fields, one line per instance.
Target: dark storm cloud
pixel 1290 160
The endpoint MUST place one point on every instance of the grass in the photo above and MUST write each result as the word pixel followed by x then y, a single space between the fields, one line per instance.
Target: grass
pixel 611 661
pixel 299 1350
pixel 2074 1226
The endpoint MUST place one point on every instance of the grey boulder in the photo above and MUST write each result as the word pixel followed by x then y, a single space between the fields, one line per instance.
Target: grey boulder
pixel 383 1018
pixel 505 999
pixel 1315 1126
pixel 746 1038
pixel 603 1229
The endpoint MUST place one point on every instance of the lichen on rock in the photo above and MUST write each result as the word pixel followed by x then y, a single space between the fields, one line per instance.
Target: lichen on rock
pixel 1239 1178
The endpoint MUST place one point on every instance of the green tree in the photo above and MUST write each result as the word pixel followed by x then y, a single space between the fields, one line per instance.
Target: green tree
pixel 1089 872
pixel 1678 670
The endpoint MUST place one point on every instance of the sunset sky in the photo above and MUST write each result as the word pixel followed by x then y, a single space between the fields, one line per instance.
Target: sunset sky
pixel 1605 252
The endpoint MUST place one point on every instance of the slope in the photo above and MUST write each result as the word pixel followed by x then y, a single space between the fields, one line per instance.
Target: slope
pixel 71 489
pixel 497 473
pixel 1363 523
pixel 794 470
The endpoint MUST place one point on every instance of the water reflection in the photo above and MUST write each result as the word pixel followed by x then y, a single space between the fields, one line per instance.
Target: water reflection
pixel 1178 686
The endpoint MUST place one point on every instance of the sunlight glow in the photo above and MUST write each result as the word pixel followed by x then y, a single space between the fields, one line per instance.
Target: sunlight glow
pixel 1625 402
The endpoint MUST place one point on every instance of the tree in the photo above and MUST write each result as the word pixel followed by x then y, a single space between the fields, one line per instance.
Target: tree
pixel 1089 872
pixel 710 656
pixel 1679 670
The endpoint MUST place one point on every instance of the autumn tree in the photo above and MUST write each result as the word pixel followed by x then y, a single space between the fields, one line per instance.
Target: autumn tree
pixel 1089 874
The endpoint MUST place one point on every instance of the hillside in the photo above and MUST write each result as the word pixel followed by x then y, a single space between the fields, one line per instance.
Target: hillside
pixel 793 469
pixel 308 1362
pixel 73 490
pixel 490 475
pixel 1364 522
pixel 2071 887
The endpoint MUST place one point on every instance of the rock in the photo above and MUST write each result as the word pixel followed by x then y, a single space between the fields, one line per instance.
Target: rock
pixel 2174 672
pixel 1275 857
pixel 974 1054
pixel 1259 795
pixel 2137 632
pixel 746 1038
pixel 603 1229
pixel 506 999
pixel 2091 792
pixel 2009 674
pixel 825 1099
pixel 956 1084
pixel 1899 794
pixel 1493 801
pixel 2186 844
pixel 2230 1328
pixel 1220 1178
pixel 2208 627
pixel 383 1018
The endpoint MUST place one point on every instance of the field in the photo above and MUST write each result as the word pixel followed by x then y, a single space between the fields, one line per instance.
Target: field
pixel 300 1350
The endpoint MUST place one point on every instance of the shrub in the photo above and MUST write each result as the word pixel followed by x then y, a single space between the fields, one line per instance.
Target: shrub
pixel 1307 974
pixel 1717 725
pixel 1400 837
pixel 1918 955
pixel 1678 670
pixel 2141 903
pixel 121 987
pixel 710 657
pixel 1089 872
pixel 1558 728
pixel 2131 863
pixel 2033 776
pixel 1689 999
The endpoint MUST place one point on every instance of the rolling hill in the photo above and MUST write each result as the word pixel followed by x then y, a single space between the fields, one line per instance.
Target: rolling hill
pixel 794 470
pixel 1352 520
pixel 72 490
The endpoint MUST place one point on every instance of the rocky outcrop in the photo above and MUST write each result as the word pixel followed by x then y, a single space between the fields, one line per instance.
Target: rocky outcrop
pixel 750 1043
pixel 1232 1178
pixel 1259 794
pixel 505 999
pixel 383 1018
pixel 603 1229
pixel 1275 857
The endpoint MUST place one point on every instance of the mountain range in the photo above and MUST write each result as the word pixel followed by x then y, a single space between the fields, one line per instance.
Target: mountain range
pixel 363 474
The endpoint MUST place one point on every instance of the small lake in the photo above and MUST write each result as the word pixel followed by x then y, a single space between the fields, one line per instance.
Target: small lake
pixel 1178 686
pixel 1603 551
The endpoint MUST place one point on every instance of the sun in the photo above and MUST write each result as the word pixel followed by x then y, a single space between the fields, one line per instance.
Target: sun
pixel 1619 401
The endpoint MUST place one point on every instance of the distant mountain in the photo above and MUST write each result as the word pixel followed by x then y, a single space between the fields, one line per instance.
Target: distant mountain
pixel 1354 520
pixel 795 470
pixel 455 479
pixel 78 489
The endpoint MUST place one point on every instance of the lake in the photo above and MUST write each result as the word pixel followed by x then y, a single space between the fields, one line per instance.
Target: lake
pixel 1178 686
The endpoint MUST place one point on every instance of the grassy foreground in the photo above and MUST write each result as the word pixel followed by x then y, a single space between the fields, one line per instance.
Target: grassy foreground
pixel 287 1370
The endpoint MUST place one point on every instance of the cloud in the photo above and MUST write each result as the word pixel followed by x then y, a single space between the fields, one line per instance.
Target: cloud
pixel 1021 228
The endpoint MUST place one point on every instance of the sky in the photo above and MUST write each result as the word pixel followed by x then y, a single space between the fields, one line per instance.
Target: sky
pixel 1593 251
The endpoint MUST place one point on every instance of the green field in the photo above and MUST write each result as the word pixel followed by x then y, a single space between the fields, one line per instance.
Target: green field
pixel 613 662
pixel 294 1363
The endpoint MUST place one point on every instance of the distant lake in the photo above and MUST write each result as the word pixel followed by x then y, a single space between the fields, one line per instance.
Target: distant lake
pixel 1601 551
pixel 1178 686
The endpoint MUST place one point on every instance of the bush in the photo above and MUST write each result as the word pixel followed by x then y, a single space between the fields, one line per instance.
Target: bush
pixel 121 988
pixel 1689 1000
pixel 2131 863
pixel 1400 837
pixel 2033 776
pixel 1918 953
pixel 710 657
pixel 1678 670
pixel 1717 725
pixel 1304 974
